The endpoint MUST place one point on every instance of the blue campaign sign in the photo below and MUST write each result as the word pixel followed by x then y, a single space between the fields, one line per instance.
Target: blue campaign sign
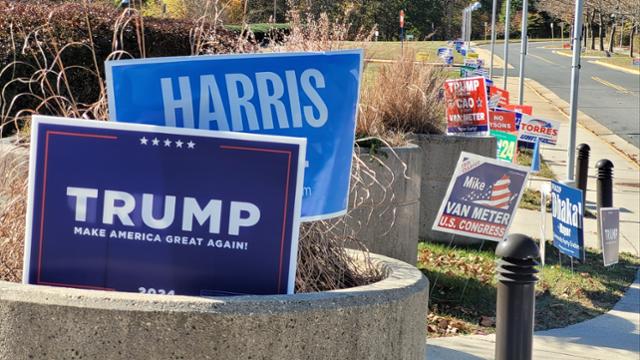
pixel 482 198
pixel 138 208
pixel 311 95
pixel 566 211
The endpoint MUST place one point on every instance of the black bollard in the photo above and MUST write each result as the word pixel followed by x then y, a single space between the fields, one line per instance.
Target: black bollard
pixel 605 184
pixel 582 170
pixel 516 297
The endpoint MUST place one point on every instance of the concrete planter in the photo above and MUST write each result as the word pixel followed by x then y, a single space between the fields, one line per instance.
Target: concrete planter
pixel 386 218
pixel 440 155
pixel 384 320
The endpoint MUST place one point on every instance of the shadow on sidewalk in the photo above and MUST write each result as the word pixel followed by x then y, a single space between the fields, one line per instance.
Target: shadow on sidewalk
pixel 440 352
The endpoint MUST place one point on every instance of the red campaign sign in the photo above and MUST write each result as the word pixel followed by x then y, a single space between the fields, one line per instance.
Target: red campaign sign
pixel 502 121
pixel 523 109
pixel 466 105
pixel 504 95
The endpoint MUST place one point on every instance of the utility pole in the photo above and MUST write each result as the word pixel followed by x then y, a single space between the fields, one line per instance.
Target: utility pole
pixel 523 48
pixel 493 36
pixel 506 44
pixel 575 80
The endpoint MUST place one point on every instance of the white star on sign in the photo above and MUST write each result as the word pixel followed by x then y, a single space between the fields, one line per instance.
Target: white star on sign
pixel 179 144
pixel 155 141
pixel 191 144
pixel 144 140
pixel 167 143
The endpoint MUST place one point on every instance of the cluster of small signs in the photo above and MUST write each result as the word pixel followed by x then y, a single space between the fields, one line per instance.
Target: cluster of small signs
pixel 199 182
pixel 484 193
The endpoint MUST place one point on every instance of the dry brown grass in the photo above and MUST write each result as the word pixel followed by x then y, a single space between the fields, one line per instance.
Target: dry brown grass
pixel 403 98
pixel 324 264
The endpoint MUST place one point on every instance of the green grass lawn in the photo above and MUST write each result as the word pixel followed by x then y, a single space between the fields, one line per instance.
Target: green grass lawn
pixel 463 288
pixel 391 50
pixel 619 58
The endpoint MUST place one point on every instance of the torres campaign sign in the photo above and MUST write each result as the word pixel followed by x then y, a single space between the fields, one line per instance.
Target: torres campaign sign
pixel 482 198
pixel 466 106
pixel 312 95
pixel 609 230
pixel 543 129
pixel 149 209
pixel 566 211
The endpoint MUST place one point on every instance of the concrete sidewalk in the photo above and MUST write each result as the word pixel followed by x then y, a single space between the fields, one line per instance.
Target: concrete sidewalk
pixel 614 335
pixel 626 172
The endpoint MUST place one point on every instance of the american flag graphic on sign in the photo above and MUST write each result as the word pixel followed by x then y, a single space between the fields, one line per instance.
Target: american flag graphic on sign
pixel 497 195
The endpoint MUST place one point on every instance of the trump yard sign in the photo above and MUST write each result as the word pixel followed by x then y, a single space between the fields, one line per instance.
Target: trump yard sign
pixel 467 110
pixel 311 95
pixel 149 209
pixel 482 198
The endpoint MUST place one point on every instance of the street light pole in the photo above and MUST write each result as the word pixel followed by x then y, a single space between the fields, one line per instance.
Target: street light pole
pixel 469 14
pixel 575 80
pixel 463 35
pixel 506 43
pixel 523 49
pixel 493 36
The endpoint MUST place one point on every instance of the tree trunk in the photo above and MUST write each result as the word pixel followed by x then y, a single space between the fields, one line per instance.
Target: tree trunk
pixel 601 32
pixel 612 37
pixel 584 35
pixel 633 33
pixel 592 24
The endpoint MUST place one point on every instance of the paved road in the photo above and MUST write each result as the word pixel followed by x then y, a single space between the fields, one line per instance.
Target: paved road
pixel 609 96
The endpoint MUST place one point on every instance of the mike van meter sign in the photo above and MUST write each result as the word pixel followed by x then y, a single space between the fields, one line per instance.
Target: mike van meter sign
pixel 609 230
pixel 309 95
pixel 466 106
pixel 482 198
pixel 543 129
pixel 148 209
pixel 566 212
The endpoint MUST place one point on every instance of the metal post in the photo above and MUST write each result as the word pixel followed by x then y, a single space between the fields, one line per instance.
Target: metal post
pixel 605 184
pixel 523 49
pixel 493 36
pixel 582 170
pixel 604 195
pixel 552 34
pixel 575 80
pixel 506 43
pixel 463 35
pixel 469 30
pixel 516 297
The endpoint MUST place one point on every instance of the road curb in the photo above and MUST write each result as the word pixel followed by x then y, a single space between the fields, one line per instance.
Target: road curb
pixel 616 67
pixel 616 142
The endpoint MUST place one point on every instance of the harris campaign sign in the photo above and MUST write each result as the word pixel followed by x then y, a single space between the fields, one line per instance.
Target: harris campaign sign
pixel 467 109
pixel 312 95
pixel 140 208
pixel 482 198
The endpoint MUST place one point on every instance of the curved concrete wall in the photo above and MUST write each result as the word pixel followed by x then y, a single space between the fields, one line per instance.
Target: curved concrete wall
pixel 384 320
pixel 387 220
pixel 440 155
